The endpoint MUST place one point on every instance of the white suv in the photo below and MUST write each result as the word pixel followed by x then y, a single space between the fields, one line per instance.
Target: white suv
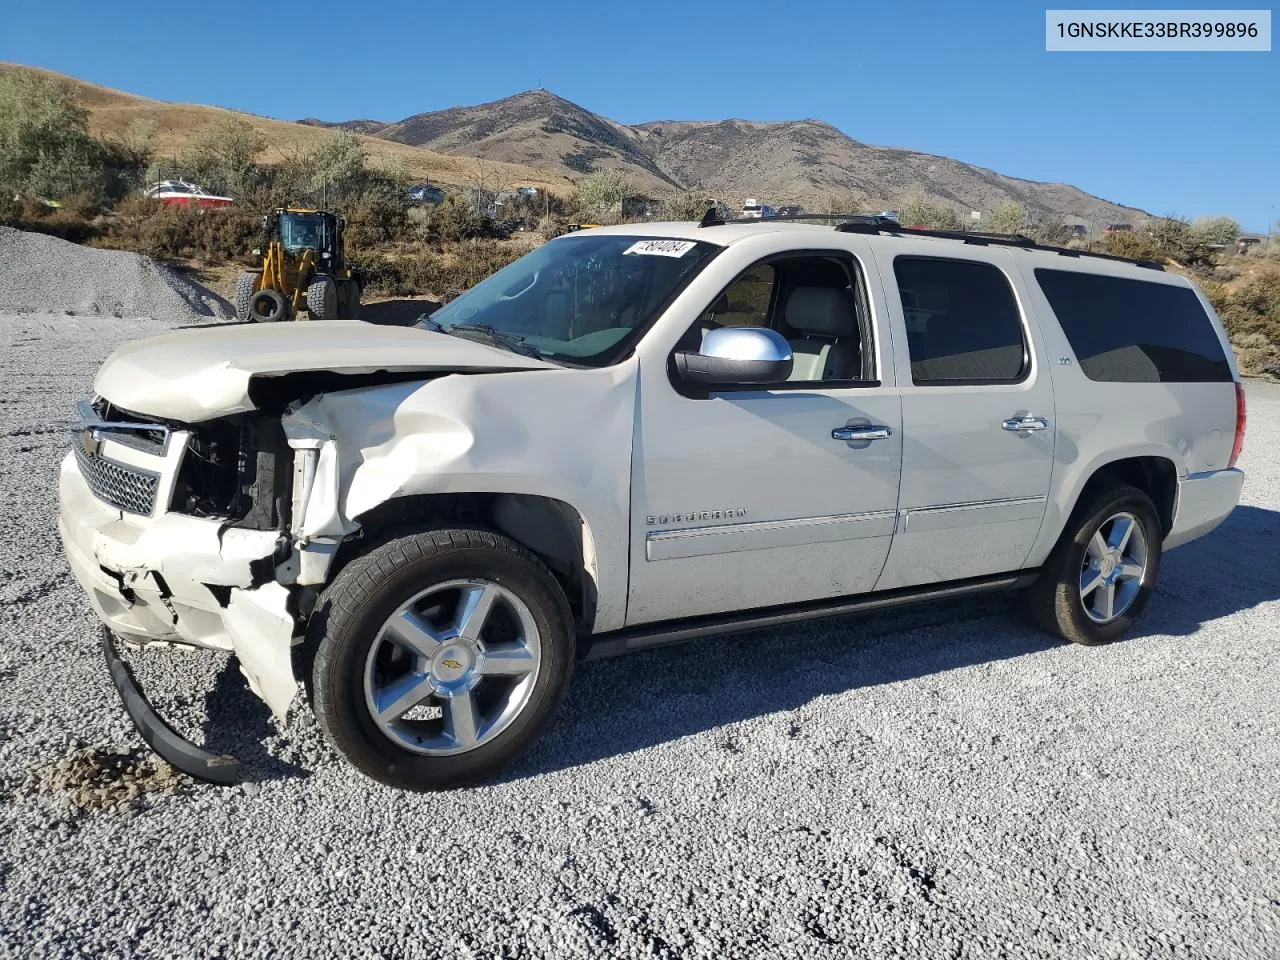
pixel 637 435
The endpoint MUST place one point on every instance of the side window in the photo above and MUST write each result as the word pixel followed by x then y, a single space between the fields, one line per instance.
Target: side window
pixel 963 323
pixel 1134 331
pixel 746 301
pixel 816 301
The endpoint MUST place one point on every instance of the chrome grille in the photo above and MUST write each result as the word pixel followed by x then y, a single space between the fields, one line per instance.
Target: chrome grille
pixel 127 488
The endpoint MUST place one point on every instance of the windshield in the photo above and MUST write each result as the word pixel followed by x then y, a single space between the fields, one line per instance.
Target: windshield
pixel 302 231
pixel 581 299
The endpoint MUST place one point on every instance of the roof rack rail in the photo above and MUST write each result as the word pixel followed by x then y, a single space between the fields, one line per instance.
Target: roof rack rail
pixel 874 224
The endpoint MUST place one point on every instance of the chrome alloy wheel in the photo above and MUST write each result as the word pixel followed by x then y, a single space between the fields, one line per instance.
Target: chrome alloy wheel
pixel 1115 561
pixel 452 667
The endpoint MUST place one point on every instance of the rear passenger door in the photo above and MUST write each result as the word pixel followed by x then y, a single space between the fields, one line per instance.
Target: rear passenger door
pixel 977 413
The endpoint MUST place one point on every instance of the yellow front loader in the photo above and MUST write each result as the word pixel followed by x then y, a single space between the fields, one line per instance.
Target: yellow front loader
pixel 304 268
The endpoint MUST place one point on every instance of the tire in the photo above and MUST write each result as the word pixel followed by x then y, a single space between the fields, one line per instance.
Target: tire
pixel 427 576
pixel 322 299
pixel 268 306
pixel 1069 599
pixel 245 284
pixel 349 299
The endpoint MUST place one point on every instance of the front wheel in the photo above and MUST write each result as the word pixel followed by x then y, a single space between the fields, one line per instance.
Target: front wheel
pixel 441 657
pixel 1099 577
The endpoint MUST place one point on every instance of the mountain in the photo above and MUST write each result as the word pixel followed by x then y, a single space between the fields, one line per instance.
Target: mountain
pixel 371 127
pixel 179 124
pixel 804 161
pixel 540 129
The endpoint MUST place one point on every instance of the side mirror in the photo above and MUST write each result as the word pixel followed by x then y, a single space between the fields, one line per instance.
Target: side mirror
pixel 737 355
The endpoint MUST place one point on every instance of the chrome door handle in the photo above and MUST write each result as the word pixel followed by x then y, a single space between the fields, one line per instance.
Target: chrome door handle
pixel 1024 424
pixel 858 434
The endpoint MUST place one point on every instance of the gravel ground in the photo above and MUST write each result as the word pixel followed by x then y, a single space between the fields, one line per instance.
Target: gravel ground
pixel 943 782
pixel 48 275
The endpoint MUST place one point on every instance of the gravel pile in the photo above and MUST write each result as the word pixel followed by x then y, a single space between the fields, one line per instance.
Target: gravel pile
pixel 45 274
pixel 942 782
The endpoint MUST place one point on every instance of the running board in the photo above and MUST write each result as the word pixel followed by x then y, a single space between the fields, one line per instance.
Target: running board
pixel 617 642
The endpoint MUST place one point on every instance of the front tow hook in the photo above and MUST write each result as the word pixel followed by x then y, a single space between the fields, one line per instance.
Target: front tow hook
pixel 159 736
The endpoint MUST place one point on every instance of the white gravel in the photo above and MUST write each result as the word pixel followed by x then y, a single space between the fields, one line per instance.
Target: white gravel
pixel 940 783
pixel 48 275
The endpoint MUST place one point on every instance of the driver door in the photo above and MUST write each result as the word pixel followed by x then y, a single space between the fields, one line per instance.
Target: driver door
pixel 741 496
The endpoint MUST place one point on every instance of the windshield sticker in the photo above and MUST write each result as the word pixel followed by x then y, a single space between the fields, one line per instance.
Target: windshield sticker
pixel 661 248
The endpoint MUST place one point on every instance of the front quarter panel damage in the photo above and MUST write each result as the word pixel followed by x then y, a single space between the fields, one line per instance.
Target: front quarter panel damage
pixel 563 434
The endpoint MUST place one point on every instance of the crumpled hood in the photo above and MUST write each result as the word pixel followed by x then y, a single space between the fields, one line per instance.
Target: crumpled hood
pixel 199 373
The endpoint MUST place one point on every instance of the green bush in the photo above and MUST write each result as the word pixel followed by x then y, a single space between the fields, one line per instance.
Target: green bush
pixel 922 211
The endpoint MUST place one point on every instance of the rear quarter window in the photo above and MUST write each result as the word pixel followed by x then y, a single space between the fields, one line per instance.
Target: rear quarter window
pixel 1133 331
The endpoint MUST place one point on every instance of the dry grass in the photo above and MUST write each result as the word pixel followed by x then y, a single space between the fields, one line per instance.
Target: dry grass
pixel 178 124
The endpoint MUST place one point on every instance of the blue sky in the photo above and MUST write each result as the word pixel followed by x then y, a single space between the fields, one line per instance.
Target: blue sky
pixel 1186 133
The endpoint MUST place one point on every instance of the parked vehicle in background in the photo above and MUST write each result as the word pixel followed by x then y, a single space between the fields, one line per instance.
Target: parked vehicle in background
pixel 893 215
pixel 426 193
pixel 180 193
pixel 753 209
pixel 1112 229
pixel 1077 229
pixel 791 211
pixel 637 435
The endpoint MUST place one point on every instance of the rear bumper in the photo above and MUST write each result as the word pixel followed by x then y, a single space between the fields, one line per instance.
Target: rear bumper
pixel 1204 501
pixel 181 579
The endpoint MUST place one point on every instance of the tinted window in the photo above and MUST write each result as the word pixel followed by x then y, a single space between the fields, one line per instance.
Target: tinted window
pixel 962 321
pixel 1131 330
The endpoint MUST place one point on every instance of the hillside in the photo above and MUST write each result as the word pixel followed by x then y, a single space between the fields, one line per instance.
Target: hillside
pixel 540 129
pixel 805 161
pixel 178 124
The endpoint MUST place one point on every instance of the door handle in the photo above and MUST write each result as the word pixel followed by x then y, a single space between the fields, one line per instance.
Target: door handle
pixel 1025 424
pixel 858 434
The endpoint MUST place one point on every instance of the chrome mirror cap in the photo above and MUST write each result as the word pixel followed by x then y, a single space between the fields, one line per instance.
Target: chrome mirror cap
pixel 746 343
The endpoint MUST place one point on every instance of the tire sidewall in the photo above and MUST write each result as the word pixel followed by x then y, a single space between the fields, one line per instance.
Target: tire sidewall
pixel 344 648
pixel 1072 558
pixel 279 308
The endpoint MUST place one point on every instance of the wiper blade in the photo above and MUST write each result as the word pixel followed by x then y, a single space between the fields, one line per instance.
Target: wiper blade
pixel 499 338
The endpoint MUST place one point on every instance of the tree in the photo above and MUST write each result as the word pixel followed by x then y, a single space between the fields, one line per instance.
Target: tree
pixel 134 145
pixel 223 156
pixel 336 163
pixel 600 195
pixel 45 147
pixel 1009 217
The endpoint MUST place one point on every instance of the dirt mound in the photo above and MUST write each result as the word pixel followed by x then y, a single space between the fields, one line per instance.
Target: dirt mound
pixel 47 275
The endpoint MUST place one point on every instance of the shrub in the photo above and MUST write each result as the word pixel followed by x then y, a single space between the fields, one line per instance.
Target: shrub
pixel 918 210
pixel 454 220
pixel 1009 217
pixel 1222 231
pixel 686 206
pixel 599 198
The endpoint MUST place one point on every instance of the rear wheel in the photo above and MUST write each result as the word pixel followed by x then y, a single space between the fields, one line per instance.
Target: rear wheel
pixel 246 283
pixel 441 657
pixel 322 299
pixel 1099 577
pixel 268 306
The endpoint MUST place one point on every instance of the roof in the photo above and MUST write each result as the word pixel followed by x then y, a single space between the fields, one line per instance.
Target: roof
pixel 735 231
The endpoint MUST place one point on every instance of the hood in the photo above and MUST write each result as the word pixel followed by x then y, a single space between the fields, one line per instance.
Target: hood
pixel 199 373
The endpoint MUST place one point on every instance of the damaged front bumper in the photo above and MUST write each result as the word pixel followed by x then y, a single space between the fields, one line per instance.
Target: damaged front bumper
pixel 186 580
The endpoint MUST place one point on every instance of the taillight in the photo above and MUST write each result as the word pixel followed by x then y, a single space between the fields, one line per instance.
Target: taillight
pixel 1239 443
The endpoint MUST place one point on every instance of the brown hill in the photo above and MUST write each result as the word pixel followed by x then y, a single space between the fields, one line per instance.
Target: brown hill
pixel 804 161
pixel 178 124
